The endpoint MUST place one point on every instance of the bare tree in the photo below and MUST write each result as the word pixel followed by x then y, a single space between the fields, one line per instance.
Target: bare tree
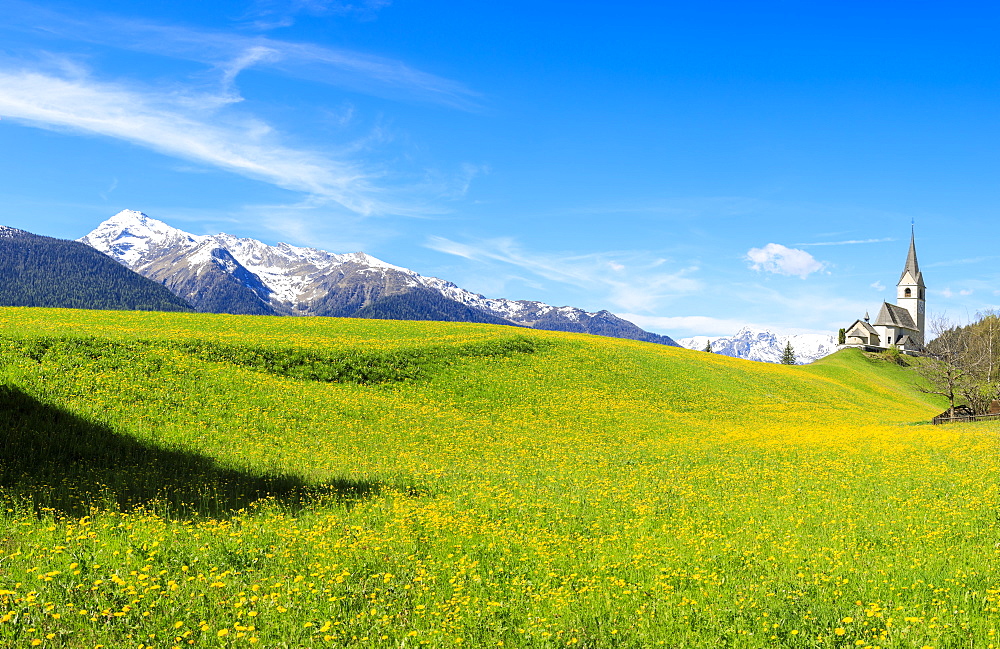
pixel 982 386
pixel 987 341
pixel 944 369
pixel 963 362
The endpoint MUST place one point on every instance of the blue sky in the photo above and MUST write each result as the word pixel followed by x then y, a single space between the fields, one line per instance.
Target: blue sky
pixel 694 167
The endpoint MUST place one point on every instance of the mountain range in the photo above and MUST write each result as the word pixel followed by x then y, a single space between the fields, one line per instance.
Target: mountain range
pixel 41 271
pixel 226 274
pixel 163 268
pixel 762 345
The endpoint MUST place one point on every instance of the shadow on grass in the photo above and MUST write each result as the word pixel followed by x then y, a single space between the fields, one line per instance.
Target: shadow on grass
pixel 60 462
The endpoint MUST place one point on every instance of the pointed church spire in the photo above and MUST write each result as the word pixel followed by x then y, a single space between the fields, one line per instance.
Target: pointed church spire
pixel 911 260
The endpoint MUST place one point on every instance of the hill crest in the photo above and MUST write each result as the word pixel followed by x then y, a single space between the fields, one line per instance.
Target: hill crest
pixel 229 274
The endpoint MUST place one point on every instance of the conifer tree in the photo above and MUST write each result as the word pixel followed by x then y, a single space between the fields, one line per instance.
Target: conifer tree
pixel 788 356
pixel 708 346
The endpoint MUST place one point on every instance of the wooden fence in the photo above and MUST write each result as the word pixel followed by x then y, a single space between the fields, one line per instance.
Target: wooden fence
pixel 944 419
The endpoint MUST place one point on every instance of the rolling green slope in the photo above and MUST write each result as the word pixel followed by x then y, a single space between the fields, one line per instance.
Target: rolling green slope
pixel 211 480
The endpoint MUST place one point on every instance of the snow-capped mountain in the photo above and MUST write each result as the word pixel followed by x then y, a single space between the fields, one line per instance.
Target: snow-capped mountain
pixel 226 274
pixel 762 345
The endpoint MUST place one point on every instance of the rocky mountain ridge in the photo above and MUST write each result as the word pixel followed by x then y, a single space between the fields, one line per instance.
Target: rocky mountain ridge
pixel 227 274
pixel 761 345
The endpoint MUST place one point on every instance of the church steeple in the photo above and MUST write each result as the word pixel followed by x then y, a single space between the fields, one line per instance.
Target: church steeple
pixel 910 289
pixel 899 325
pixel 911 266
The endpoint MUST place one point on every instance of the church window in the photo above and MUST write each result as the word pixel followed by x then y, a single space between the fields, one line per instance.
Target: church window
pixel 906 293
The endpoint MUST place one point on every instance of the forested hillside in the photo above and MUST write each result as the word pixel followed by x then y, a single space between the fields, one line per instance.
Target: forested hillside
pixel 45 272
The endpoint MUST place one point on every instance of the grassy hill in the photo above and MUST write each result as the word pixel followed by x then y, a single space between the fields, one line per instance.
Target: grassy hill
pixel 210 480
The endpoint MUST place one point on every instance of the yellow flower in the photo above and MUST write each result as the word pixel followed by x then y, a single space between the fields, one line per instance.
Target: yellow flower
pixel 839 631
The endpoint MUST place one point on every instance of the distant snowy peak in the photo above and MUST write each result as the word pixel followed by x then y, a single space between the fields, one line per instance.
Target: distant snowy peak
pixel 520 311
pixel 133 238
pixel 223 273
pixel 765 346
pixel 289 273
pixel 136 239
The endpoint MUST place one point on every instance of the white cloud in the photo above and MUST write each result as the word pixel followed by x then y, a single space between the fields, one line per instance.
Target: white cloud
pixel 247 58
pixel 271 14
pixel 960 262
pixel 694 324
pixel 112 187
pixel 850 242
pixel 185 126
pixel 229 53
pixel 965 291
pixel 878 286
pixel 776 258
pixel 636 285
pixel 698 325
pixel 205 120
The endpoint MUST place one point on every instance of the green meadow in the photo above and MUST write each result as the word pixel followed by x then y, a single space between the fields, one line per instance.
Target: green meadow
pixel 175 480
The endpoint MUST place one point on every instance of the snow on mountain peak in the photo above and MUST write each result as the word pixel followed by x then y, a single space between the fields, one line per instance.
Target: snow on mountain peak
pixel 137 224
pixel 365 259
pixel 756 344
pixel 129 215
pixel 137 240
pixel 291 279
pixel 133 238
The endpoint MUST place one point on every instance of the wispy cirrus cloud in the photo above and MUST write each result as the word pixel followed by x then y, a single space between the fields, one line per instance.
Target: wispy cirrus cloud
pixel 689 324
pixel 782 260
pixel 960 262
pixel 107 192
pixel 273 14
pixel 230 52
pixel 185 126
pixel 203 118
pixel 849 242
pixel 630 280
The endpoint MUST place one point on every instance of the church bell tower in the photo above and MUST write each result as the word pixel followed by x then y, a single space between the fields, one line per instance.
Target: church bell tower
pixel 910 290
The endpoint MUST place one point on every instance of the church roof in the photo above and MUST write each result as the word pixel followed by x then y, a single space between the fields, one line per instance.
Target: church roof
pixel 864 325
pixel 895 316
pixel 911 266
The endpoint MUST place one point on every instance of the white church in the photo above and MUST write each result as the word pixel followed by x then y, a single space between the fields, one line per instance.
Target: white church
pixel 899 325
